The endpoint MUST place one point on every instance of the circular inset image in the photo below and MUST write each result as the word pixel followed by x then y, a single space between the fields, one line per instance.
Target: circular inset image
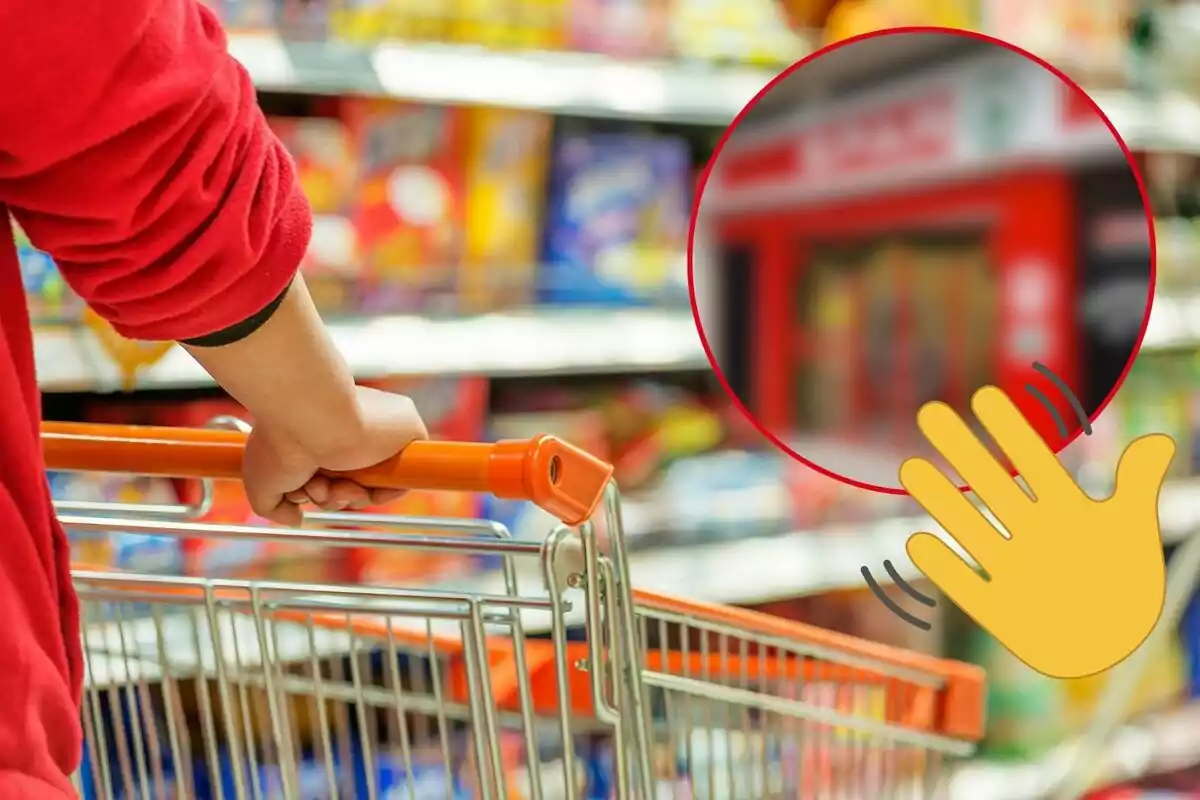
pixel 863 245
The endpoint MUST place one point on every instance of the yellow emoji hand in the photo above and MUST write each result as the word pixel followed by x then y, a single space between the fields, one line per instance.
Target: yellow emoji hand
pixel 1078 584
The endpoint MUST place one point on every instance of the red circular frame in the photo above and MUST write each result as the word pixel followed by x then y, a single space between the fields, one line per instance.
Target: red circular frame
pixel 1125 151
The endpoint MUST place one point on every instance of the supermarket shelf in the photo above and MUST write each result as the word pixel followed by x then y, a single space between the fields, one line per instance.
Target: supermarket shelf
pixel 566 83
pixel 592 85
pixel 1166 123
pixel 763 569
pixel 1158 744
pixel 545 342
pixel 540 342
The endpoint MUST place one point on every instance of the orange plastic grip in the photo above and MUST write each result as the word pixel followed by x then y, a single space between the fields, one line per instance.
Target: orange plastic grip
pixel 563 480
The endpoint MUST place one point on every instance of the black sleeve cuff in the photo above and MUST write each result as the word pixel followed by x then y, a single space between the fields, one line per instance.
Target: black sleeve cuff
pixel 240 330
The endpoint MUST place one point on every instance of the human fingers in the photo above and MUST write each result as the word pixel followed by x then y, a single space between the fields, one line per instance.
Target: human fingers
pixel 381 497
pixel 346 494
pixel 285 512
pixel 981 470
pixel 952 510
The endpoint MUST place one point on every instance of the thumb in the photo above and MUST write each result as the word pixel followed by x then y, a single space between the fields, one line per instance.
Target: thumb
pixel 1144 464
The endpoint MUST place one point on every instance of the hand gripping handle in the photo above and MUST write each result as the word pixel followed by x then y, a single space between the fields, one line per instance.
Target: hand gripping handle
pixel 563 480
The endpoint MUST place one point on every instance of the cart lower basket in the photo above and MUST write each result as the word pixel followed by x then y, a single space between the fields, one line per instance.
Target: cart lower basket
pixel 259 689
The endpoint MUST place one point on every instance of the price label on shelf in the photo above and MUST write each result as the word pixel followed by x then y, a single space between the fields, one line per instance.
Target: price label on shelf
pixel 447 74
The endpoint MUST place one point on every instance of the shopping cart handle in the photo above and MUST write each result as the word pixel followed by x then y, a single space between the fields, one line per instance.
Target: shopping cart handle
pixel 563 480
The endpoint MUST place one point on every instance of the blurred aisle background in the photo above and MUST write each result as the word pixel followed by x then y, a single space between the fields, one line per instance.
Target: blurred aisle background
pixel 503 190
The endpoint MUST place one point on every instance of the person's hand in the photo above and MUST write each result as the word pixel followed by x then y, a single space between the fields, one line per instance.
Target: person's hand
pixel 281 474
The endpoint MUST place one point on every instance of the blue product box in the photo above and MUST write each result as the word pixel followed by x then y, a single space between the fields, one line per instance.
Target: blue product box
pixel 1189 632
pixel 428 781
pixel 617 221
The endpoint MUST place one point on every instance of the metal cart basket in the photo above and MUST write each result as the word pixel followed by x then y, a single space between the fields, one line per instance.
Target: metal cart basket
pixel 200 687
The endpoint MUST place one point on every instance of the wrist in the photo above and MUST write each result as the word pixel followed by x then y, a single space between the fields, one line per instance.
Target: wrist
pixel 290 377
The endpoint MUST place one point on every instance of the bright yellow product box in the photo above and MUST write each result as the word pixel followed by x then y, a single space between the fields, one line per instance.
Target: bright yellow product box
pixel 522 24
pixel 380 20
pixel 506 176
pixel 365 21
pixel 851 18
pixel 749 31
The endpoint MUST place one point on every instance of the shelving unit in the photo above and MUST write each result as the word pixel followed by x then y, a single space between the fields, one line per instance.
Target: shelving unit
pixel 537 342
pixel 578 342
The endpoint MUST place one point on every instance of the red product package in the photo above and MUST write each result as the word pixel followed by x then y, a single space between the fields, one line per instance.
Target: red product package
pixel 410 202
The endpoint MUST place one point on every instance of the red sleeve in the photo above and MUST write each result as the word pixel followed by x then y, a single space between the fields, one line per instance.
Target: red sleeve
pixel 132 149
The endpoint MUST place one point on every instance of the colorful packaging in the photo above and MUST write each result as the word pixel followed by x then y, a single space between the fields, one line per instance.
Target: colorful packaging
pixel 522 24
pixel 245 16
pixel 300 20
pixel 322 150
pixel 89 548
pixel 408 212
pixel 1190 446
pixel 46 292
pixel 725 495
pixel 618 221
pixel 506 175
pixel 849 18
pixel 628 28
pixel 751 31
pixel 117 549
pixel 366 20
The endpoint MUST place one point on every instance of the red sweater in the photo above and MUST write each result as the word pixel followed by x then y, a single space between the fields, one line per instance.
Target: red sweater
pixel 133 151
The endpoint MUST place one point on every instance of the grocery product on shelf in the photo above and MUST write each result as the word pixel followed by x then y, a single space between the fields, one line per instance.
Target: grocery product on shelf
pixel 849 18
pixel 47 293
pixel 1087 39
pixel 325 166
pixel 1189 629
pixel 637 28
pixel 1178 243
pixel 246 15
pixel 617 220
pixel 119 549
pixel 750 31
pixel 408 212
pixel 365 21
pixel 531 24
pixel 506 174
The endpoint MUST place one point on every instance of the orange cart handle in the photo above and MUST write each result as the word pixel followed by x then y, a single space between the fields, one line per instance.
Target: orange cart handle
pixel 563 480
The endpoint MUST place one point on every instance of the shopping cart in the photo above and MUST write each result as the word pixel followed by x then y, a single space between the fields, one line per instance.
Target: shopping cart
pixel 253 689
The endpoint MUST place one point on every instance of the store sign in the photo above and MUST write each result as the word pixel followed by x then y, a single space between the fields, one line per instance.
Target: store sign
pixel 974 115
pixel 905 133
